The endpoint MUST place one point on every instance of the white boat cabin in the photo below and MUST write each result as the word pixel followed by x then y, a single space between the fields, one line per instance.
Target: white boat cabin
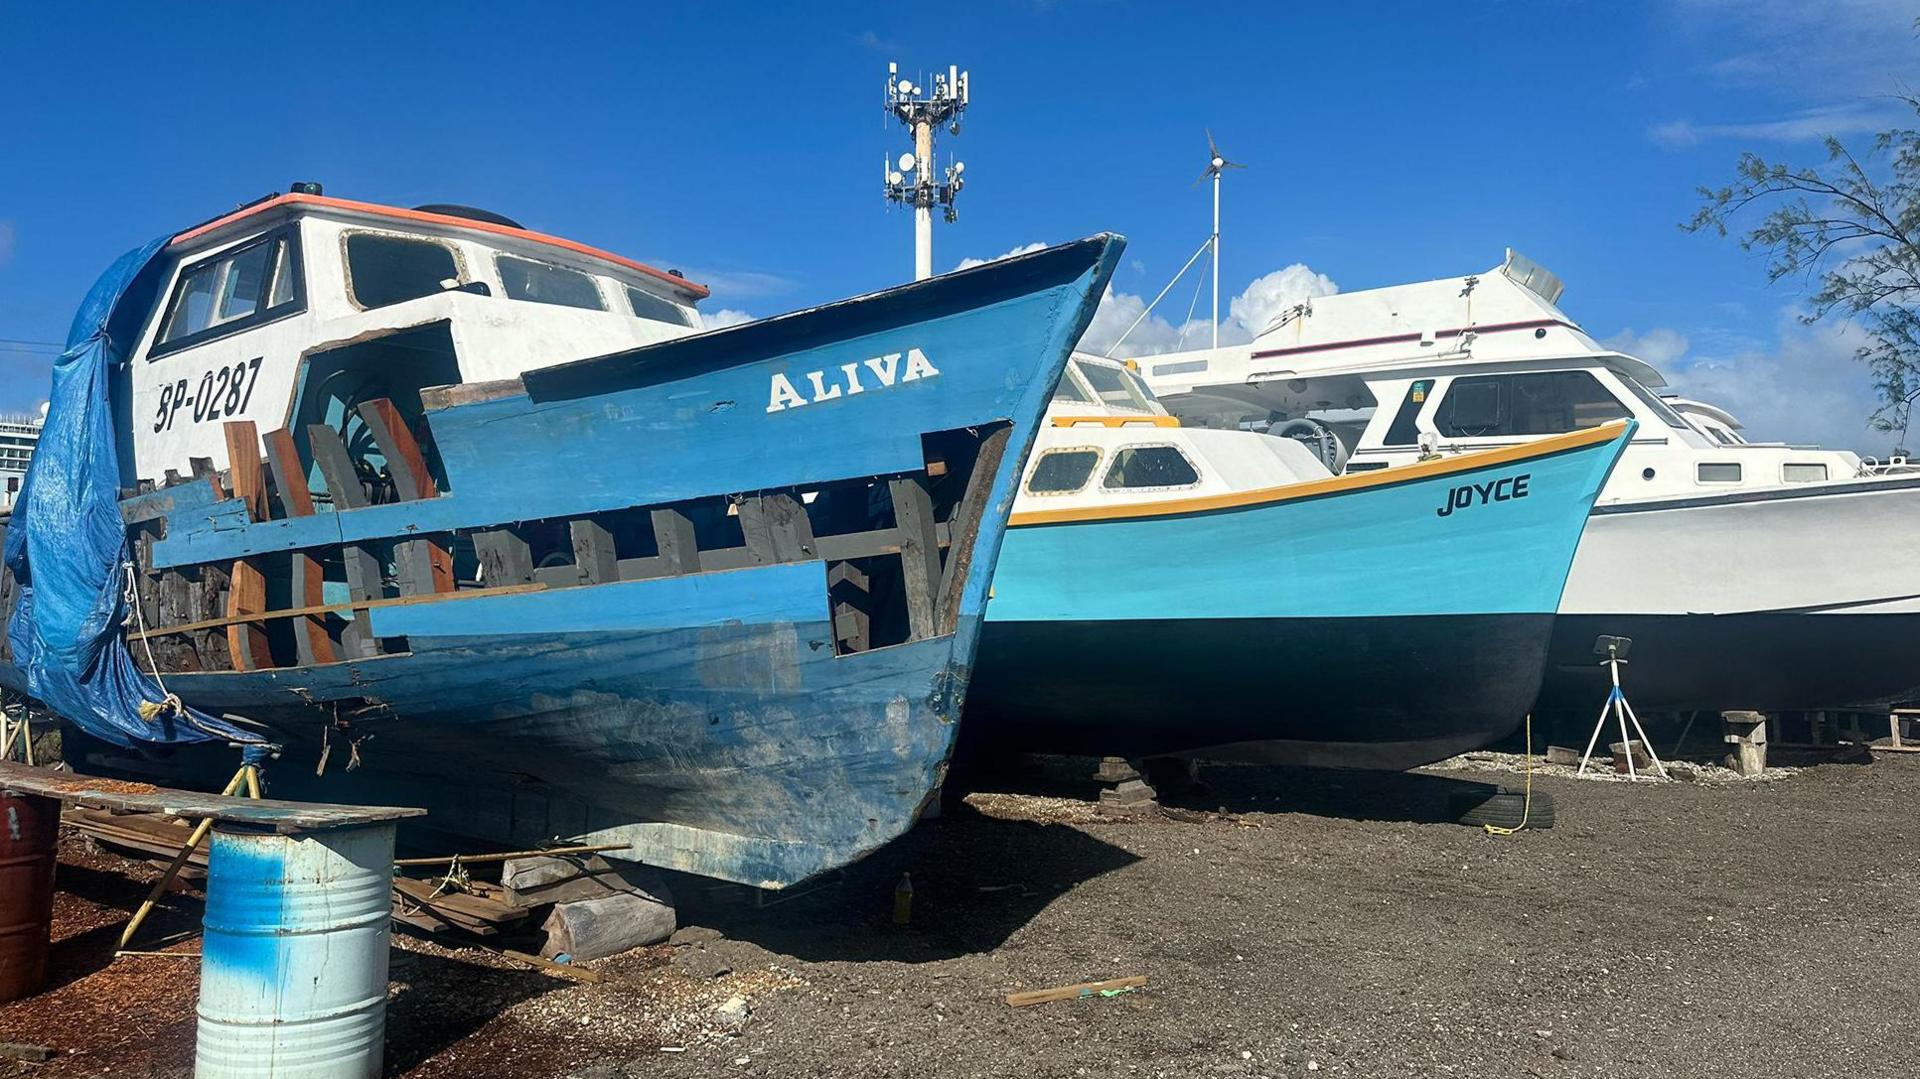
pixel 1109 443
pixel 292 310
pixel 1470 363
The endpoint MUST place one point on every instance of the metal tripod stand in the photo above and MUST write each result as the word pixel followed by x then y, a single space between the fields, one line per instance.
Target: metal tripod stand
pixel 1615 649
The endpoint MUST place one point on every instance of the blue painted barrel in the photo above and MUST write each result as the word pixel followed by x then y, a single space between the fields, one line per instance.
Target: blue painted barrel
pixel 293 973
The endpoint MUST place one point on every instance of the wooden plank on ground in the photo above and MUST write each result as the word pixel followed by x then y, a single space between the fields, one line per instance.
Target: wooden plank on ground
pixel 1027 998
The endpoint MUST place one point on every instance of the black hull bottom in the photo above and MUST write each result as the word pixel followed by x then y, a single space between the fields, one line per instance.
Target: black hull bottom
pixel 1388 693
pixel 1759 662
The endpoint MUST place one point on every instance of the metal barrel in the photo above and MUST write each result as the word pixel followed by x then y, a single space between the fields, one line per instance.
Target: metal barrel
pixel 29 827
pixel 293 972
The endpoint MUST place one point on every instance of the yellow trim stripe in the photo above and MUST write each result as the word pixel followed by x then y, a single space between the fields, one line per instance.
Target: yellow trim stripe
pixel 1116 421
pixel 1355 481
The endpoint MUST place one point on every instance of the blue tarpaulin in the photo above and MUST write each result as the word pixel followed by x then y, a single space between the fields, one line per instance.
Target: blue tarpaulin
pixel 67 545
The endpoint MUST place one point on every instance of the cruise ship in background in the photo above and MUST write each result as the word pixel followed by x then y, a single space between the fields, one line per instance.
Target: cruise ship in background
pixel 18 436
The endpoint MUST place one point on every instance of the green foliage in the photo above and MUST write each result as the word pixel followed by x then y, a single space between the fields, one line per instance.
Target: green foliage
pixel 1851 229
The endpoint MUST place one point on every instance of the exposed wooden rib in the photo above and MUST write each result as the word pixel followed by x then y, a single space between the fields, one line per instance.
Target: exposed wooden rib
pixel 919 553
pixel 776 528
pixel 965 524
pixel 247 591
pixel 593 551
pixel 363 566
pixel 290 479
pixel 679 547
pixel 505 556
pixel 405 462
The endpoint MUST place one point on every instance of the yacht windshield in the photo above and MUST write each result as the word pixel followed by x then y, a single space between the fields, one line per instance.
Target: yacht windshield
pixel 1652 400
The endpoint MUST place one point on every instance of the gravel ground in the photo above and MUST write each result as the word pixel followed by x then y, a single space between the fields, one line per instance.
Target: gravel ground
pixel 1290 923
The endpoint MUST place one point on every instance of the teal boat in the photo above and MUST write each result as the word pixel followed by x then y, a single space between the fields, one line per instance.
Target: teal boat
pixel 1170 590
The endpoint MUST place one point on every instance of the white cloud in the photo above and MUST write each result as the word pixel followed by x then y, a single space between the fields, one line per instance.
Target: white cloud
pixel 1266 299
pixel 1023 249
pixel 1658 346
pixel 721 318
pixel 1801 126
pixel 742 284
pixel 1806 388
pixel 1830 48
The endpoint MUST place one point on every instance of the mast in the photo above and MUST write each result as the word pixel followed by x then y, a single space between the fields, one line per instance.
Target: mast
pixel 1216 164
pixel 914 179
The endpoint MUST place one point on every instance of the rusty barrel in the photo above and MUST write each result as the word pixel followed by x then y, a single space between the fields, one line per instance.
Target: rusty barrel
pixel 29 827
pixel 293 972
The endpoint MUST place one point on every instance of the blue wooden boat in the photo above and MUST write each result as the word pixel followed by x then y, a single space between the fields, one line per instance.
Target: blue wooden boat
pixel 1166 590
pixel 524 547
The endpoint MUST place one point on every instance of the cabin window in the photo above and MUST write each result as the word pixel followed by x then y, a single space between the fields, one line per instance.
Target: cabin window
pixel 239 288
pixel 646 305
pixel 1718 472
pixel 1403 432
pixel 1061 472
pixel 1803 472
pixel 383 269
pixel 1151 466
pixel 541 282
pixel 1113 388
pixel 1536 403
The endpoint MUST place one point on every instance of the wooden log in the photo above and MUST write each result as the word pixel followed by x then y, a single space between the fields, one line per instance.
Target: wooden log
pixel 597 928
pixel 1029 997
pixel 919 554
pixel 540 879
pixel 1746 732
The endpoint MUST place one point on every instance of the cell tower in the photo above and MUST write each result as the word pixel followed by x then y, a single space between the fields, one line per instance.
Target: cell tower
pixel 914 179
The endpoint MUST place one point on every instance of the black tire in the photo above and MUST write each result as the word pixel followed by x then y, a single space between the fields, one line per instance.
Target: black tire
pixel 1501 807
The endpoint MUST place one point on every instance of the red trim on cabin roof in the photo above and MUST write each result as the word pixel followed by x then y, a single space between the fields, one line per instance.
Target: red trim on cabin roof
pixel 1497 327
pixel 697 291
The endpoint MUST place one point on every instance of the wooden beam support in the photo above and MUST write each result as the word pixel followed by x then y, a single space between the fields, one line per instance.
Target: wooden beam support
pixel 777 529
pixel 363 567
pixel 919 553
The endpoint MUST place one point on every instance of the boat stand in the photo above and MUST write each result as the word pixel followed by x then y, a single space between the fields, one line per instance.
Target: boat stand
pixel 1616 706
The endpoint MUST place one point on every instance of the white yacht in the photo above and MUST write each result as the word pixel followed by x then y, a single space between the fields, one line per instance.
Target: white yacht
pixel 18 436
pixel 1748 574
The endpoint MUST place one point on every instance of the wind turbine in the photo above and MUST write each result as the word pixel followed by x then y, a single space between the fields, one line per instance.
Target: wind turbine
pixel 1216 164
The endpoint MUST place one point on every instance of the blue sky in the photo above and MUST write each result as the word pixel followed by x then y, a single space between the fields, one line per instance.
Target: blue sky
pixel 743 144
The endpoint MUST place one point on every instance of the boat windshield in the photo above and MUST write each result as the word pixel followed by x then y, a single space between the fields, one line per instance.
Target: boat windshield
pixel 1116 387
pixel 1652 400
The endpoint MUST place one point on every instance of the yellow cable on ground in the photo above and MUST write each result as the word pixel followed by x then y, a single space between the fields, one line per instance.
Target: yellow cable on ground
pixel 1526 805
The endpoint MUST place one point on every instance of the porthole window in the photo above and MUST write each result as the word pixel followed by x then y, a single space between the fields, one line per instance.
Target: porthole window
pixel 1718 472
pixel 1060 472
pixel 1150 466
